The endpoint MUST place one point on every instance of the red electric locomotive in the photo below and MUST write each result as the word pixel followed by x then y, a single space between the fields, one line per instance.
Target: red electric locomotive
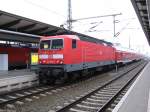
pixel 62 55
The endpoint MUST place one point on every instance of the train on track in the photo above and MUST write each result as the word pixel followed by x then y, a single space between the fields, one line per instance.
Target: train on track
pixel 70 56
pixel 18 54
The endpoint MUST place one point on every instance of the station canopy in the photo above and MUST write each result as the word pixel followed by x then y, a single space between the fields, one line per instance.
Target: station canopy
pixel 142 9
pixel 17 28
pixel 21 24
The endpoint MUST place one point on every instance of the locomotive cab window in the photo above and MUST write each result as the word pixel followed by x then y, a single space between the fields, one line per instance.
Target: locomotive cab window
pixel 57 44
pixel 74 43
pixel 45 44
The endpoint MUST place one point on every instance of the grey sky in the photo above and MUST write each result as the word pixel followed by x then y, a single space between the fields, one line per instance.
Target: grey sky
pixel 55 12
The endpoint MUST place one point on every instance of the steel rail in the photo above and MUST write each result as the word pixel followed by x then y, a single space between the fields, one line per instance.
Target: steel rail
pixel 3 103
pixel 104 107
pixel 66 108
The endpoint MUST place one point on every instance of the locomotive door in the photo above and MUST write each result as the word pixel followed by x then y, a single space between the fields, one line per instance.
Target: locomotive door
pixel 84 57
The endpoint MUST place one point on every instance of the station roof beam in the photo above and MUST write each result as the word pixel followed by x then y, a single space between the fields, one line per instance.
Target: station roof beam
pixel 142 9
pixel 23 28
pixel 12 22
pixel 9 24
pixel 15 36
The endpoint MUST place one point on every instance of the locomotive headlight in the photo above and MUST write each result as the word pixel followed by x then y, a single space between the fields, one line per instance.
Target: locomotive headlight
pixel 61 62
pixel 58 56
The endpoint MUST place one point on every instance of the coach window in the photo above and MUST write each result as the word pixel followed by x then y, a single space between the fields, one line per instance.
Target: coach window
pixel 74 43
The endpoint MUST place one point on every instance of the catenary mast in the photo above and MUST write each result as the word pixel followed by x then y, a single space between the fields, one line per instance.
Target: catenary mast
pixel 69 18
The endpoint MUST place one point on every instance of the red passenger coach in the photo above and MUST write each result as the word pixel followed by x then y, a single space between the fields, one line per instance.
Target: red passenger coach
pixel 124 55
pixel 64 54
pixel 18 56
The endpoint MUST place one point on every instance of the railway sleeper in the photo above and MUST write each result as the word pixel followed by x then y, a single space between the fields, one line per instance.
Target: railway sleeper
pixel 106 93
pixel 77 110
pixel 91 103
pixel 112 105
pixel 100 97
pixel 96 100
pixel 94 105
pixel 84 107
pixel 109 110
pixel 103 95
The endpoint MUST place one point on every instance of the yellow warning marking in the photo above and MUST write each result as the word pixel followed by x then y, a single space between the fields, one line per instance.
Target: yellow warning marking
pixel 34 58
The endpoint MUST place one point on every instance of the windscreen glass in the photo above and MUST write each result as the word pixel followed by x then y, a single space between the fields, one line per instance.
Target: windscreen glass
pixel 57 44
pixel 45 44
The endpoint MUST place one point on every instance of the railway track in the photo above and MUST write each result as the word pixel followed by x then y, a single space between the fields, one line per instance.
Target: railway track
pixel 106 97
pixel 11 97
pixel 18 97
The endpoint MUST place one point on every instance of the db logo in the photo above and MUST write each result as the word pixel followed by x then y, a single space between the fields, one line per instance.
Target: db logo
pixel 100 52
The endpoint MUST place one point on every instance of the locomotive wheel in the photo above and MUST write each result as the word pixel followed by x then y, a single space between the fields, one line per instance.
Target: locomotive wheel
pixel 41 79
pixel 50 80
pixel 92 72
pixel 74 76
pixel 62 79
pixel 44 79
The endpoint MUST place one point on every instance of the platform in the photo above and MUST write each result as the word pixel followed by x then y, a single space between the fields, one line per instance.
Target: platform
pixel 17 79
pixel 137 98
pixel 14 73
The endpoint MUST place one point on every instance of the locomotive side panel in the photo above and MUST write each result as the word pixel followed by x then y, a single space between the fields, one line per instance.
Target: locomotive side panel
pixel 88 55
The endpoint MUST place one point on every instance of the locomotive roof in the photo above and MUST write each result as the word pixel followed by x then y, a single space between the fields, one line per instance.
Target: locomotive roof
pixel 94 40
pixel 82 37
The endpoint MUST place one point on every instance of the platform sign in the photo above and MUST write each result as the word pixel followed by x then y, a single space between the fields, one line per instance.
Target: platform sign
pixel 34 58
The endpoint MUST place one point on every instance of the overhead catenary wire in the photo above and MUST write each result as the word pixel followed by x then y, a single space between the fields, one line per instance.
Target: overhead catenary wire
pixel 44 8
pixel 123 28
